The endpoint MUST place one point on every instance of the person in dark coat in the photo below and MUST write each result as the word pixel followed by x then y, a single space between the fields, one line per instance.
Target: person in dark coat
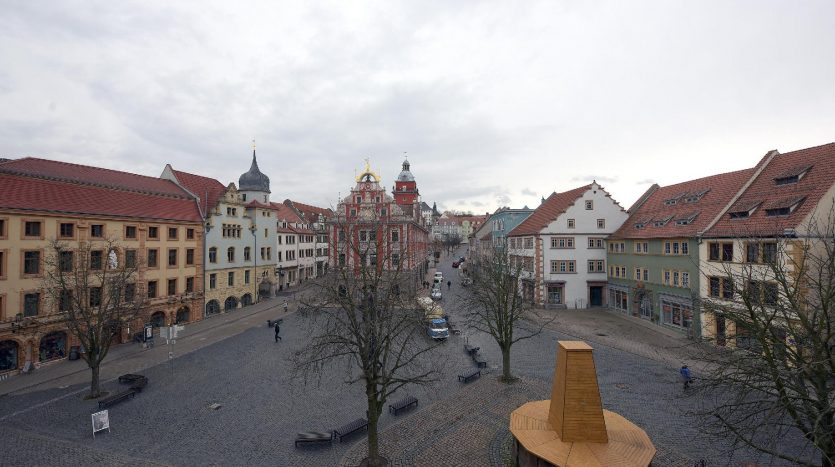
pixel 277 330
pixel 685 376
pixel 448 284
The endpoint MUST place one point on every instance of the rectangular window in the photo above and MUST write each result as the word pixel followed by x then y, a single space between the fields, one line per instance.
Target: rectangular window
pixel 2 267
pixel 638 248
pixel 342 259
pixel 65 300
pixel 66 230
pixel 172 233
pixel 31 262
pixel 152 289
pixel 230 254
pixel 96 260
pixel 97 230
pixel 571 223
pixel 770 293
pixel 130 259
pixel 646 275
pixel 769 251
pixel 752 252
pixel 172 257
pixel 172 286
pixel 637 274
pixel 212 281
pixel 31 304
pixel 675 248
pixel 601 223
pixel 675 278
pixel 395 259
pixel 666 248
pixel 190 234
pixel 32 229
pixel 590 266
pixel 2 229
pixel 727 288
pixel 130 231
pixel 685 248
pixel 152 257
pixel 601 266
pixel 230 279
pixel 727 252
pixel 246 276
pixel 189 256
pixel 666 277
pixel 65 261
pixel 589 205
pixel 95 297
pixel 189 284
pixel 153 232
pixel 395 235
pixel 269 253
pixel 130 291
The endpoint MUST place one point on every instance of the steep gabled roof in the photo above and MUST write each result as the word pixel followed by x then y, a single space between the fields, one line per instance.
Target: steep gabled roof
pixel 555 205
pixel 309 212
pixel 789 187
pixel 72 198
pixel 82 174
pixel 209 190
pixel 683 209
pixel 285 213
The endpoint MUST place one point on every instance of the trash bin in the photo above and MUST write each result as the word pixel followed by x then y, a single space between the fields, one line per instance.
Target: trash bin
pixel 74 353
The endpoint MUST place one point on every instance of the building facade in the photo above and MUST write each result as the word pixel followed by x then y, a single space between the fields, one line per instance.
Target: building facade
pixel 370 229
pixel 654 257
pixel 562 247
pixel 155 225
pixel 316 220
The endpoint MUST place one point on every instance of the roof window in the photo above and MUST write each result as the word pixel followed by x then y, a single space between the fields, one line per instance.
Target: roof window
pixel 783 207
pixel 792 175
pixel 662 222
pixel 687 219
pixel 695 196
pixel 743 210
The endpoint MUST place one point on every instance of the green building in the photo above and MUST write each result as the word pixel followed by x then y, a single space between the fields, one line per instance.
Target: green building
pixel 653 259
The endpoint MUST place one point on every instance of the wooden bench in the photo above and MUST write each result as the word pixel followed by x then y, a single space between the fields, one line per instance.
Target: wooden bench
pixel 403 404
pixel 470 349
pixel 349 428
pixel 136 382
pixel 469 375
pixel 311 437
pixel 116 398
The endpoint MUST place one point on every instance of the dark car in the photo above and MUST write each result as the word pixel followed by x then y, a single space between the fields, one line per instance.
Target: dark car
pixel 455 264
pixel 461 260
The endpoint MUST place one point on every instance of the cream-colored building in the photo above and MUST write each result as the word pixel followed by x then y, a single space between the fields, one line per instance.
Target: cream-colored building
pixel 154 224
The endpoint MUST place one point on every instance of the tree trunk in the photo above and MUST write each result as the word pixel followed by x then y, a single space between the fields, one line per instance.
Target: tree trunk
pixel 373 443
pixel 94 381
pixel 506 376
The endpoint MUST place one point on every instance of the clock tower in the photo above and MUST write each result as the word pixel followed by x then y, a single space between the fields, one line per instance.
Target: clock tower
pixel 405 189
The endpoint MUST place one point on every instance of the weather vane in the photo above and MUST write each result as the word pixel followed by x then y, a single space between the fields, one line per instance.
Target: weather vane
pixel 253 144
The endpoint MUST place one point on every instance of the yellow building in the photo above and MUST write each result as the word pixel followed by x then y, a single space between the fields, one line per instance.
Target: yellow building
pixel 153 222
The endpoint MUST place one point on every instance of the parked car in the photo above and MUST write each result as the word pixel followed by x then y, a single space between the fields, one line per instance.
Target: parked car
pixel 436 293
pixel 455 264
pixel 461 259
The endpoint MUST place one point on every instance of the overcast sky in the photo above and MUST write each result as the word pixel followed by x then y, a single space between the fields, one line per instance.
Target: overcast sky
pixel 496 103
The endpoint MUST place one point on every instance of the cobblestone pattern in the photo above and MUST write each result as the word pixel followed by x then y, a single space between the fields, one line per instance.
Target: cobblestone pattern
pixel 240 366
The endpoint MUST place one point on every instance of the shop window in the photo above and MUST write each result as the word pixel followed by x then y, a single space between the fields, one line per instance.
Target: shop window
pixel 52 346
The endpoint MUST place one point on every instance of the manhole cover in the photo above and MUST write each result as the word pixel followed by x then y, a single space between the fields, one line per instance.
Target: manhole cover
pixel 622 386
pixel 601 334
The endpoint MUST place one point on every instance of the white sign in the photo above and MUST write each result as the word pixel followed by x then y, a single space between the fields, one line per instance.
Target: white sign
pixel 101 422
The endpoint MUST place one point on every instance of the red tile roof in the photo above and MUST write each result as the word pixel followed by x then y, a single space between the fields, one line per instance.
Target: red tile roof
pixel 555 205
pixel 311 213
pixel 209 190
pixel 257 204
pixel 661 220
pixel 764 193
pixel 96 176
pixel 49 195
pixel 285 213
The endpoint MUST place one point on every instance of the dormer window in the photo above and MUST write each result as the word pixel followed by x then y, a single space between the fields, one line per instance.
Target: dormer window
pixel 743 210
pixel 792 175
pixel 674 199
pixel 687 219
pixel 695 196
pixel 783 207
pixel 643 222
pixel 662 222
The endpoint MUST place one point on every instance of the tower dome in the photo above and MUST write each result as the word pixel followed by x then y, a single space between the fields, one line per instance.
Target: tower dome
pixel 254 180
pixel 405 174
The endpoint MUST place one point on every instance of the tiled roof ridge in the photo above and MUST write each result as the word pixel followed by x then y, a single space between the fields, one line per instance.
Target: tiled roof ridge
pixel 112 186
pixel 109 186
pixel 524 226
pixel 210 179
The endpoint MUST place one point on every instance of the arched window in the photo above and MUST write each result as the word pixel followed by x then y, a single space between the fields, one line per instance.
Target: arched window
pixel 8 355
pixel 230 304
pixel 183 315
pixel 212 307
pixel 53 345
pixel 158 319
pixel 213 255
pixel 230 254
pixel 246 300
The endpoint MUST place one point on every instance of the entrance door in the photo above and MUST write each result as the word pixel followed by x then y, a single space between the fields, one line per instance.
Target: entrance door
pixel 720 330
pixel 646 307
pixel 596 295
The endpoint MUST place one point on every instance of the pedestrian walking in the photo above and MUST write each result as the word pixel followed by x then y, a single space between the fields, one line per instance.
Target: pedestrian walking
pixel 685 376
pixel 448 284
pixel 285 305
pixel 277 330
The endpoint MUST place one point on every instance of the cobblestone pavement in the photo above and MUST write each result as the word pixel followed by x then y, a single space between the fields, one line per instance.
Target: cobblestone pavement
pixel 234 362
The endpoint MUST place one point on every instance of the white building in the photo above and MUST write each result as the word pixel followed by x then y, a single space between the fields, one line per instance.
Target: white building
pixel 562 247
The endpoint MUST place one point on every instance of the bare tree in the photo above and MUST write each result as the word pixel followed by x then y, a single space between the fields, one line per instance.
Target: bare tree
pixel 779 379
pixel 95 292
pixel 495 304
pixel 366 318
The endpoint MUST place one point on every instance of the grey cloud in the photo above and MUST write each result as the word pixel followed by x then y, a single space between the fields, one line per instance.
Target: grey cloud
pixel 528 192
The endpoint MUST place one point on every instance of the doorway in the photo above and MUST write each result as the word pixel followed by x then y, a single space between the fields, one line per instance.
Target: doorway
pixel 596 296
